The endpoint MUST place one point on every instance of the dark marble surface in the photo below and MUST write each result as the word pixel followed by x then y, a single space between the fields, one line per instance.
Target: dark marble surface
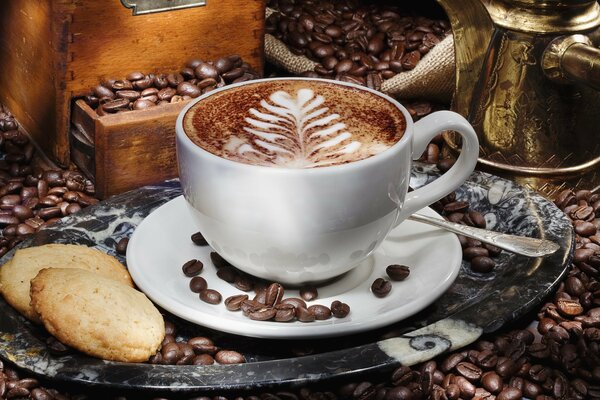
pixel 475 304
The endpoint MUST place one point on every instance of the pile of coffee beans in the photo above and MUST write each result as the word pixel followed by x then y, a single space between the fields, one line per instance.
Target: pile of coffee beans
pixel 31 198
pixel 139 91
pixel 198 350
pixel 354 42
pixel 480 255
pixel 268 302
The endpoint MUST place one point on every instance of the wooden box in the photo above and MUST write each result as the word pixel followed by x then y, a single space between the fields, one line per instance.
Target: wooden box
pixel 52 50
pixel 125 150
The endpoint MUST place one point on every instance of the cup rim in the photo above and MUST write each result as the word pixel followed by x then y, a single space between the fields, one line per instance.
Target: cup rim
pixel 349 166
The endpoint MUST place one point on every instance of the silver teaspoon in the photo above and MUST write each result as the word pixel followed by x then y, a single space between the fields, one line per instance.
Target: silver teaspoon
pixel 526 246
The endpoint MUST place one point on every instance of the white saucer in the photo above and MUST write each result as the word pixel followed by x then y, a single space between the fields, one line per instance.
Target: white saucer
pixel 161 244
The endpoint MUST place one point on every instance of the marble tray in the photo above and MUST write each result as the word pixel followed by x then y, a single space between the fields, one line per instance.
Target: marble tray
pixel 475 303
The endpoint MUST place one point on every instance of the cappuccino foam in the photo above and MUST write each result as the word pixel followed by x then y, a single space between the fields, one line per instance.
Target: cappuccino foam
pixel 294 124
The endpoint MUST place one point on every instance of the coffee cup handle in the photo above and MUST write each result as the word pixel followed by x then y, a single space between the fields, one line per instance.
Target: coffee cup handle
pixel 424 131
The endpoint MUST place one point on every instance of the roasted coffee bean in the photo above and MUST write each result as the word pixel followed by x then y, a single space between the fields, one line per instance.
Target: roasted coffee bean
pixel 569 308
pixel 121 247
pixel 227 273
pixel 115 105
pixel 469 371
pixel 22 212
pixel 217 260
pixel 143 83
pixel 143 104
pixel 262 314
pixel 130 95
pixel 135 76
pixel 207 83
pixel 451 362
pixel 199 240
pixel 381 287
pixel 188 89
pixel 234 303
pixel 171 353
pixel 510 393
pixel 320 312
pixel 24 229
pixel 243 283
pixel 303 315
pixel 274 294
pixel 198 284
pixel 397 272
pixel 203 359
pixel 229 357
pixel 492 382
pixel 202 345
pixel 285 313
pixel 166 93
pixel 339 309
pixel 309 293
pixel 210 296
pixel 206 70
pixel 482 264
pixel 41 394
pixel 192 267
pixel 294 301
pixel 103 92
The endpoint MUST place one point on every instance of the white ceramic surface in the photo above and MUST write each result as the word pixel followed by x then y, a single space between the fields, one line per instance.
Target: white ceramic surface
pixel 300 225
pixel 161 244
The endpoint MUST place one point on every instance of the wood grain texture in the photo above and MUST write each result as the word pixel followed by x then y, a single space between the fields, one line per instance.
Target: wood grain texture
pixel 52 50
pixel 26 67
pixel 131 149
pixel 117 43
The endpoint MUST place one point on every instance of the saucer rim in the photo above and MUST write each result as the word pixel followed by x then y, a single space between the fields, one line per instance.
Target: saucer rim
pixel 235 324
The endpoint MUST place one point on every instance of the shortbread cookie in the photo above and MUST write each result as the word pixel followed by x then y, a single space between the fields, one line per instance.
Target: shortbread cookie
pixel 96 315
pixel 26 263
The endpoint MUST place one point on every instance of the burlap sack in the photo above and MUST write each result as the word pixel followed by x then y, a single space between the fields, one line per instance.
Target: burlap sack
pixel 432 78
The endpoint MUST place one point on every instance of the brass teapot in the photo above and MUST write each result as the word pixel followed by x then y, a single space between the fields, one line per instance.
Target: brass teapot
pixel 528 79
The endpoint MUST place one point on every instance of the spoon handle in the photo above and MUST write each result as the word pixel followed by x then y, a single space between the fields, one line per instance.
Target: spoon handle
pixel 526 246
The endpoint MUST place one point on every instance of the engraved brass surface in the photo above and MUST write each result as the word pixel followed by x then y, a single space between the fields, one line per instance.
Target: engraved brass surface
pixel 141 7
pixel 530 97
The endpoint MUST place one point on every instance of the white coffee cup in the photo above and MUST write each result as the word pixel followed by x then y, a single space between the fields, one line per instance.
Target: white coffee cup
pixel 303 225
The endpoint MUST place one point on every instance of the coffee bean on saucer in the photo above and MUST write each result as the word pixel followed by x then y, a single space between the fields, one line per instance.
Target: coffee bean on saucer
pixel 304 315
pixel 294 301
pixel 244 283
pixel 397 272
pixel 192 268
pixel 320 312
pixel 210 296
pixel 339 309
pixel 274 294
pixel 122 246
pixel 199 240
pixel 262 314
pixel 198 284
pixel 217 260
pixel 285 312
pixel 227 273
pixel 234 303
pixel 309 293
pixel 381 287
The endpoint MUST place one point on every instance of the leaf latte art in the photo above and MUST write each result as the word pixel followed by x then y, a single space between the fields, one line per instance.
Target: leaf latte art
pixel 294 132
pixel 294 124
